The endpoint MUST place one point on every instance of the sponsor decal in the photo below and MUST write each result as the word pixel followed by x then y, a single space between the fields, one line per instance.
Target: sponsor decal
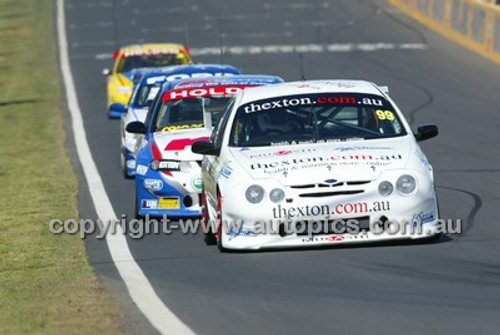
pixel 340 84
pixel 169 165
pixel 153 184
pixel 149 204
pixel 152 93
pixel 182 126
pixel 329 162
pixel 423 159
pixel 131 164
pixel 280 153
pixel 301 101
pixel 181 144
pixel 152 52
pixel 359 148
pixel 329 238
pixel 309 86
pixel 282 212
pixel 201 92
pixel 226 170
pixel 141 169
pixel 423 218
pixel 241 232
pixel 169 203
pixel 172 77
pixel 155 80
pixel 224 82
pixel 196 182
pixel 335 238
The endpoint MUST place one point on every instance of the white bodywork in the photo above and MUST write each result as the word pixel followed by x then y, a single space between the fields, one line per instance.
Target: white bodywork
pixel 354 170
pixel 130 141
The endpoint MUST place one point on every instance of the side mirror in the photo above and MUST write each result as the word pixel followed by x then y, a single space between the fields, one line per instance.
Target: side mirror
pixel 106 72
pixel 426 132
pixel 204 148
pixel 116 110
pixel 136 127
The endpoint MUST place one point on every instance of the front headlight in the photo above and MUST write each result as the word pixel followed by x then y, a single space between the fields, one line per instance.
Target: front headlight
pixel 385 188
pixel 185 166
pixel 254 194
pixel 406 184
pixel 124 89
pixel 276 195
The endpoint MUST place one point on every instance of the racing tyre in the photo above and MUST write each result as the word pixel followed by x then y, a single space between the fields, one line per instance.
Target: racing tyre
pixel 221 226
pixel 123 164
pixel 137 216
pixel 209 237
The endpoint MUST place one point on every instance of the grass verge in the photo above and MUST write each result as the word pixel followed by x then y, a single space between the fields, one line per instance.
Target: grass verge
pixel 46 284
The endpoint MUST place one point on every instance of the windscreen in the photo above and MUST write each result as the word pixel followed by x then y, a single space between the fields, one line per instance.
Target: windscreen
pixel 151 60
pixel 189 113
pixel 314 118
pixel 146 95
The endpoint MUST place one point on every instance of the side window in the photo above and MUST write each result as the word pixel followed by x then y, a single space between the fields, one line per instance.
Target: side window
pixel 218 132
pixel 150 115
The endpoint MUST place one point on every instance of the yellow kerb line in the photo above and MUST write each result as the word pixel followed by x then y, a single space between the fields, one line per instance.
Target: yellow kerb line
pixel 486 15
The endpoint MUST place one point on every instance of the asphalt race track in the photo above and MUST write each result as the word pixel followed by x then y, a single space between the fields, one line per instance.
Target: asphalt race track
pixel 452 287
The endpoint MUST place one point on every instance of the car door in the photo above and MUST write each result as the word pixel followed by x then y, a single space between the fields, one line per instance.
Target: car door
pixel 212 164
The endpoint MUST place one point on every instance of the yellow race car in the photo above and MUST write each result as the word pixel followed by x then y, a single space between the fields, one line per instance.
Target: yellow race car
pixel 119 80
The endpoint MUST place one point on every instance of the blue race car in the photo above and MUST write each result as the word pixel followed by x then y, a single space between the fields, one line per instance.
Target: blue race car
pixel 168 174
pixel 117 110
pixel 145 91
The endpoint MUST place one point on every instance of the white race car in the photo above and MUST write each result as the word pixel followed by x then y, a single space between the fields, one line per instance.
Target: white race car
pixel 315 163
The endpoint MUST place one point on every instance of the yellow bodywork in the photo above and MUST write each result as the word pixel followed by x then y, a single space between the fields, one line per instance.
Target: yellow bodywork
pixel 119 87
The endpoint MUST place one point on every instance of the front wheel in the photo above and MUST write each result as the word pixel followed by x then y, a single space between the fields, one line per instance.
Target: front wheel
pixel 220 229
pixel 123 163
pixel 209 237
pixel 136 209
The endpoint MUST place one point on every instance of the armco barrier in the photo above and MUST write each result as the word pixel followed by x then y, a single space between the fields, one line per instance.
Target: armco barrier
pixel 474 24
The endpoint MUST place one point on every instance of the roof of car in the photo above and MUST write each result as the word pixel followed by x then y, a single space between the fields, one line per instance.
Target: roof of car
pixel 242 79
pixel 166 47
pixel 311 87
pixel 190 68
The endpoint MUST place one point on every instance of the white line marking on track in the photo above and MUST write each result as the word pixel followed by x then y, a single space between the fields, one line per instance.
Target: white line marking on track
pixel 139 288
pixel 88 5
pixel 258 35
pixel 298 6
pixel 168 10
pixel 288 48
pixel 178 29
pixel 237 17
pixel 306 48
pixel 91 25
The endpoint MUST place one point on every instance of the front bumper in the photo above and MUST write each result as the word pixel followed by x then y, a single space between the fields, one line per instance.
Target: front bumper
pixel 378 218
pixel 175 196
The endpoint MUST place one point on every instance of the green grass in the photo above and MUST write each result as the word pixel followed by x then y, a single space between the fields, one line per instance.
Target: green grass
pixel 46 284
